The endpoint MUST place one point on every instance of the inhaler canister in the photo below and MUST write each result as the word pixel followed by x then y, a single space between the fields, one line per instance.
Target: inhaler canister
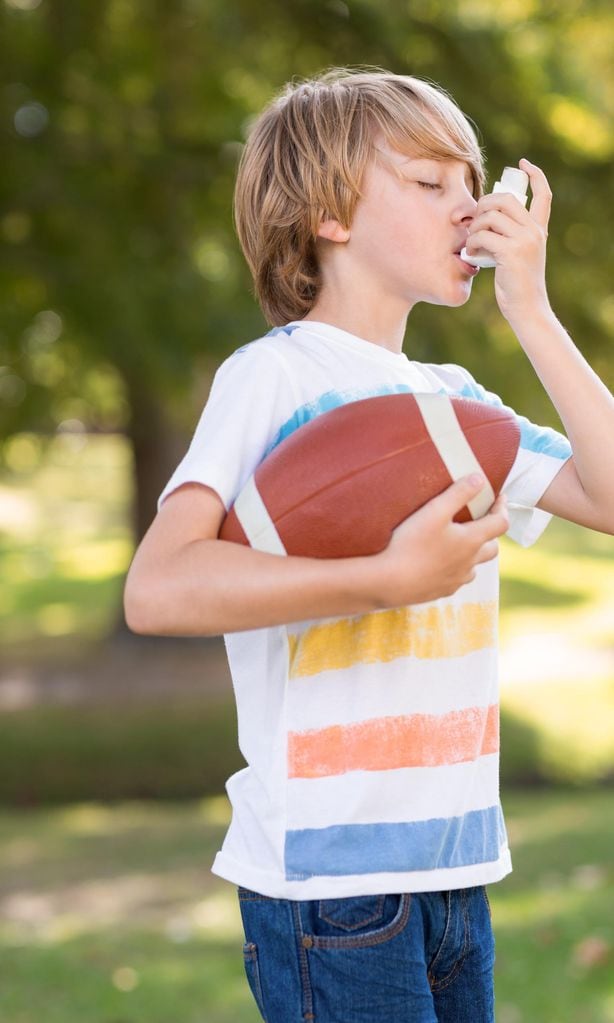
pixel 512 180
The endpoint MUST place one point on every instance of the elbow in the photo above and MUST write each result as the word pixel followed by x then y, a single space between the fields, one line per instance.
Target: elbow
pixel 135 620
pixel 137 610
pixel 150 611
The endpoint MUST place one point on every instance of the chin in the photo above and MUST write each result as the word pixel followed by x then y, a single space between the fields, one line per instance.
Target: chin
pixel 464 293
pixel 453 302
pixel 464 299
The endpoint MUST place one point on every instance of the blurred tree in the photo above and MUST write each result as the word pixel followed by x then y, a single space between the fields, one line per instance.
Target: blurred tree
pixel 121 279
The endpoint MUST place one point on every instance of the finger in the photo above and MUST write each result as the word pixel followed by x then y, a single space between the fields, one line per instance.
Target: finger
pixel 495 220
pixel 495 523
pixel 504 202
pixel 488 240
pixel 541 202
pixel 499 505
pixel 487 552
pixel 458 494
pixel 489 526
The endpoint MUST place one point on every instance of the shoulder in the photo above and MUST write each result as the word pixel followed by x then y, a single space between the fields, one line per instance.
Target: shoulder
pixel 450 377
pixel 269 353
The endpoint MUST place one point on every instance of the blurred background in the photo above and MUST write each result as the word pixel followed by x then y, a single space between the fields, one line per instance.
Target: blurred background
pixel 122 288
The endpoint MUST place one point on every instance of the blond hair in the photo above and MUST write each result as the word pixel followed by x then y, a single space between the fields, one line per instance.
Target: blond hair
pixel 305 158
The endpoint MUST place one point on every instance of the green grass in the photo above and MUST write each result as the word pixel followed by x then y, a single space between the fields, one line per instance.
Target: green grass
pixel 111 915
pixel 553 914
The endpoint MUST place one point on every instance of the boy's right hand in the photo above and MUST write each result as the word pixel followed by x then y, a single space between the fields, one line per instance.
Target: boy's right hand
pixel 430 555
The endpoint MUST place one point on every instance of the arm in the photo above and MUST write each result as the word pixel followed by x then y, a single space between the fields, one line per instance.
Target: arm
pixel 583 491
pixel 184 581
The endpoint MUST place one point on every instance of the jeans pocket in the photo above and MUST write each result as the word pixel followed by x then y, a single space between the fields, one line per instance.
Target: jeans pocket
pixel 252 972
pixel 358 922
pixel 354 913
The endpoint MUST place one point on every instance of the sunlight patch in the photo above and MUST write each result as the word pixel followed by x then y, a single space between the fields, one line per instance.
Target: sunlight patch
pixel 218 915
pixel 125 978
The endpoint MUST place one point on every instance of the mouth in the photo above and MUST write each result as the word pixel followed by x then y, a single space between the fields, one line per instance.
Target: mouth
pixel 473 271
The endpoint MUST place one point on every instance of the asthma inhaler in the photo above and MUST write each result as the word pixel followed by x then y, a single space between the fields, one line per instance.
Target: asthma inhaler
pixel 515 181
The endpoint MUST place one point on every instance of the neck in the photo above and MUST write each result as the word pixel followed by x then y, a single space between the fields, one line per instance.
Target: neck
pixel 361 305
pixel 382 325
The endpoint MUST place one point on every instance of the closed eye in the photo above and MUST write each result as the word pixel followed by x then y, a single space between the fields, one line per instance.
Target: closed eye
pixel 427 184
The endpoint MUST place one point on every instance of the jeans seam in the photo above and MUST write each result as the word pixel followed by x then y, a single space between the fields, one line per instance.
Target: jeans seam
pixel 377 937
pixel 306 989
pixel 440 985
pixel 245 895
pixel 433 962
pixel 250 955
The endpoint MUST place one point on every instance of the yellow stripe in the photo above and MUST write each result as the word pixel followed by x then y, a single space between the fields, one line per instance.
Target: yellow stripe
pixel 382 636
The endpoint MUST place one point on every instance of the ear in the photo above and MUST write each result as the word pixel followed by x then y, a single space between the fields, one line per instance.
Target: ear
pixel 333 231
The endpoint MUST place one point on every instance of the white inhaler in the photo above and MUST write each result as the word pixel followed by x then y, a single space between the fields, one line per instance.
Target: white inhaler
pixel 515 181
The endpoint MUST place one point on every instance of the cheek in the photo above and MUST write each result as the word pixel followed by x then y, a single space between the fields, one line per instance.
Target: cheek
pixel 395 240
pixel 408 234
pixel 392 234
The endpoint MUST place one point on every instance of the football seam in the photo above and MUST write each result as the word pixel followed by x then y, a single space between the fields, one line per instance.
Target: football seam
pixel 364 468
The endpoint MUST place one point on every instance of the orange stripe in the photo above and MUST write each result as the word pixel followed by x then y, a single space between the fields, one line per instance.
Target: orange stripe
pixel 383 744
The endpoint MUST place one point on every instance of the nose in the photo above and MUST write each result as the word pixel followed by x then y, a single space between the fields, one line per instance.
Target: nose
pixel 466 209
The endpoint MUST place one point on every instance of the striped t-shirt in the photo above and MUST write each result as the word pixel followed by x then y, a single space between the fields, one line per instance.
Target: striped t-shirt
pixel 371 741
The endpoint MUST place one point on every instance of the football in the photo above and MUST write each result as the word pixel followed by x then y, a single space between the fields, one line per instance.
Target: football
pixel 339 485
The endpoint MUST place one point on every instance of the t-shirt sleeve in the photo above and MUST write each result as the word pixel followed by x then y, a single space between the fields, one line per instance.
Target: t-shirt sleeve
pixel 250 397
pixel 541 455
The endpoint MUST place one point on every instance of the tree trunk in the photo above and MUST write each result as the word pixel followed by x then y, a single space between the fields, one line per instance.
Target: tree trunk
pixel 158 446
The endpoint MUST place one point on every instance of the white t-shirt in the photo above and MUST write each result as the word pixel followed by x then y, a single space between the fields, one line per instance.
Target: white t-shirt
pixel 371 741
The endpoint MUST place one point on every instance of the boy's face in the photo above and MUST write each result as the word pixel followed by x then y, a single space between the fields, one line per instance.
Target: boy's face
pixel 405 233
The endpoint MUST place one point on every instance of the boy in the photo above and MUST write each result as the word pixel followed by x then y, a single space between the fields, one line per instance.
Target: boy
pixel 367 821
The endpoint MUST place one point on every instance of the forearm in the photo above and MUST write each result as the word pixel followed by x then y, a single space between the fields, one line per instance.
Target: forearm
pixel 206 586
pixel 210 587
pixel 583 402
pixel 517 240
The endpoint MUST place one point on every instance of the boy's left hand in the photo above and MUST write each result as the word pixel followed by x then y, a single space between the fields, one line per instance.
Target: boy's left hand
pixel 516 238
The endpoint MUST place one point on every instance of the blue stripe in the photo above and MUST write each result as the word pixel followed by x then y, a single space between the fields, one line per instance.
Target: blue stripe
pixel 537 439
pixel 330 400
pixel 272 333
pixel 280 330
pixel 378 848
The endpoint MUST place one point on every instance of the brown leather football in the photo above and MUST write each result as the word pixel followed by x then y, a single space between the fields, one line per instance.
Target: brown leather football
pixel 340 484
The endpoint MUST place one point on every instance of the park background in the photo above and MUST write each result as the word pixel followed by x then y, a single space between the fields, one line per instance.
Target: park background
pixel 122 288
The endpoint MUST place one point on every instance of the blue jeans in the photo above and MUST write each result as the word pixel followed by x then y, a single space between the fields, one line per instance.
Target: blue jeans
pixel 426 957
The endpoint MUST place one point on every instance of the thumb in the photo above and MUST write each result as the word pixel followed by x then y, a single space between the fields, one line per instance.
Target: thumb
pixel 542 195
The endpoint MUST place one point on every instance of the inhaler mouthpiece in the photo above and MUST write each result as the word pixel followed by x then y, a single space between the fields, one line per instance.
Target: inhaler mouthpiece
pixel 512 180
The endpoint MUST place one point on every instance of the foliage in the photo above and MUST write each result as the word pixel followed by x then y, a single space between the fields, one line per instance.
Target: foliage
pixel 123 123
pixel 161 751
